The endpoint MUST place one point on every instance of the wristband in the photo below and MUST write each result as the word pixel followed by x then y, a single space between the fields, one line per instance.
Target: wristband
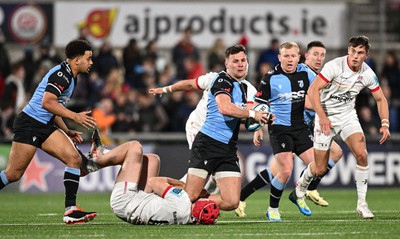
pixel 385 120
pixel 164 89
pixel 170 88
pixel 252 114
pixel 387 125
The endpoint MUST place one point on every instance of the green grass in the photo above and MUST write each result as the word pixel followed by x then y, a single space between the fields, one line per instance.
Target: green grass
pixel 40 216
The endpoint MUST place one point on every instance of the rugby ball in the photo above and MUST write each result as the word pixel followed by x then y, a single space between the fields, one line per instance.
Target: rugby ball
pixel 250 123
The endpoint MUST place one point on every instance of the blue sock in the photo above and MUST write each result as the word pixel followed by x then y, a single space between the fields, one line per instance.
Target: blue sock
pixel 3 180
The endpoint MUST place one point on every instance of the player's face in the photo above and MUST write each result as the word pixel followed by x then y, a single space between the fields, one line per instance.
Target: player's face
pixel 357 56
pixel 315 58
pixel 289 58
pixel 85 62
pixel 236 65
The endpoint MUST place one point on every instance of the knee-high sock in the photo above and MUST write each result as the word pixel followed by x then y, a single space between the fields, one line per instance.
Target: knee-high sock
pixel 276 193
pixel 3 180
pixel 315 182
pixel 71 184
pixel 361 180
pixel 262 179
pixel 303 182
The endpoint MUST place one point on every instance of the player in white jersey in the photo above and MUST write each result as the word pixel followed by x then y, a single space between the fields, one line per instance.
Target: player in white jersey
pixel 140 197
pixel 333 94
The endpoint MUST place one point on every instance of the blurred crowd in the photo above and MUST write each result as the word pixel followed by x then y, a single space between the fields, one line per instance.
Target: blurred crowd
pixel 117 85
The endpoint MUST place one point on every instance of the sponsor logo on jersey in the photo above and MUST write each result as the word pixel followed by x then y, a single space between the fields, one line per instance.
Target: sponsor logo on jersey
pixel 344 97
pixel 290 96
pixel 301 83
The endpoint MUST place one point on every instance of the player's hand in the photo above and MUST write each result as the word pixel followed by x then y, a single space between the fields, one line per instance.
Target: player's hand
pixel 325 125
pixel 156 91
pixel 385 134
pixel 75 136
pixel 85 120
pixel 258 137
pixel 262 117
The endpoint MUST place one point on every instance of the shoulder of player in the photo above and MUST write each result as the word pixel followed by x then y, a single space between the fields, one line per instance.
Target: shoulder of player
pixel 61 73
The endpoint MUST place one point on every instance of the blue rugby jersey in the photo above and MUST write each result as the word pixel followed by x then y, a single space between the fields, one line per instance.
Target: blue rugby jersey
pixel 220 127
pixel 285 94
pixel 59 81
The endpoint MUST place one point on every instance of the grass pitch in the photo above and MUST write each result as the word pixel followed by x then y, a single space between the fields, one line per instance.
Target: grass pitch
pixel 40 216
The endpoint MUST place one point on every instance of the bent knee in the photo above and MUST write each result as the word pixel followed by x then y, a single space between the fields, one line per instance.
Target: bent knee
pixel 134 144
pixel 230 204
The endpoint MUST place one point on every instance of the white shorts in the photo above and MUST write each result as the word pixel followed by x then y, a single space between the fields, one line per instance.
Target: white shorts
pixel 346 126
pixel 122 194
pixel 192 128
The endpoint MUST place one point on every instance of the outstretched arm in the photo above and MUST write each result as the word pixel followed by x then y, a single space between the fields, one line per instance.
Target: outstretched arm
pixel 183 85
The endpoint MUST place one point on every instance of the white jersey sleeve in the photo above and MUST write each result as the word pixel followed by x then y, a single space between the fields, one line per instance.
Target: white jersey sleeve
pixel 251 92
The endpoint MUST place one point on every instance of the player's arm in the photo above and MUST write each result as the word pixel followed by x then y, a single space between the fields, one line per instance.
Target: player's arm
pixel 314 96
pixel 159 185
pixel 51 104
pixel 226 107
pixel 383 111
pixel 183 85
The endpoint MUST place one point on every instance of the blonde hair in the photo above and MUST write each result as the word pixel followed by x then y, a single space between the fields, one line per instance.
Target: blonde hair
pixel 288 45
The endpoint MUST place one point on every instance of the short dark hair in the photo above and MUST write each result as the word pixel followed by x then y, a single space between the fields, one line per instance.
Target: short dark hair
pixel 360 41
pixel 77 48
pixel 315 44
pixel 234 50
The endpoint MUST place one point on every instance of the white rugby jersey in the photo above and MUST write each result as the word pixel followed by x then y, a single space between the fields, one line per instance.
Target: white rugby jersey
pixel 174 207
pixel 198 116
pixel 339 96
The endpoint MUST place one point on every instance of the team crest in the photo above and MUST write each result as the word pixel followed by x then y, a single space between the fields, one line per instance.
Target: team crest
pixel 301 83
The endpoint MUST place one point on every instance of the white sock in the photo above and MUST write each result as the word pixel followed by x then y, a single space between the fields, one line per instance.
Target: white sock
pixel 361 180
pixel 303 182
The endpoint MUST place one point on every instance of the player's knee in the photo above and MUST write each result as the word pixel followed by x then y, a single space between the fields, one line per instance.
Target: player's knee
pixel 73 159
pixel 154 159
pixel 135 145
pixel 230 204
pixel 285 173
pixel 362 157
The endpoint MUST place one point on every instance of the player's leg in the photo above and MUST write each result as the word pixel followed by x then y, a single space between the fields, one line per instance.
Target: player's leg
pixel 312 193
pixel 150 169
pixel 71 158
pixel 229 184
pixel 284 166
pixel 20 156
pixel 356 143
pixel 262 179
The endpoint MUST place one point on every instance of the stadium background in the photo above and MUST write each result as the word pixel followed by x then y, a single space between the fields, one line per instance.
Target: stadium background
pixel 30 26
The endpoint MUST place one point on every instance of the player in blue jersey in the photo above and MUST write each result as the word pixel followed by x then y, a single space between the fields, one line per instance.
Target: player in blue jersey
pixel 285 89
pixel 315 57
pixel 214 148
pixel 40 125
